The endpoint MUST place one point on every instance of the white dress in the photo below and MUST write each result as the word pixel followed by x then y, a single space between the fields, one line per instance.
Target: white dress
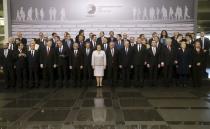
pixel 98 62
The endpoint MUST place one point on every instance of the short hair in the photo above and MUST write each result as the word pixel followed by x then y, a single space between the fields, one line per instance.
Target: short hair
pixel 54 33
pixel 93 35
pixel 168 40
pixel 119 35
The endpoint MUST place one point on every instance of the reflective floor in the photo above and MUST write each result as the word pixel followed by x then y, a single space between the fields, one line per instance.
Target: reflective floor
pixel 106 108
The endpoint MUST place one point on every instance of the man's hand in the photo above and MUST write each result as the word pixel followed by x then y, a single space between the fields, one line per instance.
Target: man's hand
pixel 81 67
pixel 41 66
pixel 54 65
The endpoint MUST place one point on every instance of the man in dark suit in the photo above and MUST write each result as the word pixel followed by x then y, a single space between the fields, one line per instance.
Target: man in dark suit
pixel 111 37
pixel 112 55
pixel 205 45
pixel 68 42
pixel 197 62
pixel 48 63
pixel 93 43
pixel 153 58
pixel 184 59
pixel 20 37
pixel 13 44
pixel 76 64
pixel 7 65
pixel 33 59
pixel 139 62
pixel 21 66
pixel 40 40
pixel 105 45
pixel 87 70
pixel 126 62
pixel 119 42
pixel 132 42
pixel 168 61
pixel 62 55
pixel 90 38
pixel 54 39
pixel 101 37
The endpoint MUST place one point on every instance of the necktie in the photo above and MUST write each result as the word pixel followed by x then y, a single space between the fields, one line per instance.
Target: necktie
pixel 48 51
pixel 32 53
pixel 60 50
pixel 138 48
pixel 203 43
pixel 126 50
pixel 154 51
pixel 112 52
pixel 75 52
pixel 6 52
pixel 87 51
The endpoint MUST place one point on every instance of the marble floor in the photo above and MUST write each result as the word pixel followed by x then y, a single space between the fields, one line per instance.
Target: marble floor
pixel 106 108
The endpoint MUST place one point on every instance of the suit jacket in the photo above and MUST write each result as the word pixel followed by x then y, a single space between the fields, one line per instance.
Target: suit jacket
pixel 197 57
pixel 20 61
pixel 99 40
pixel 153 60
pixel 76 60
pixel 62 57
pixel 113 39
pixel 184 60
pixel 168 56
pixel 139 56
pixel 33 61
pixel 48 60
pixel 87 58
pixel 126 60
pixel 119 46
pixel 7 62
pixel 112 61
pixel 206 43
pixel 69 46
pixel 23 40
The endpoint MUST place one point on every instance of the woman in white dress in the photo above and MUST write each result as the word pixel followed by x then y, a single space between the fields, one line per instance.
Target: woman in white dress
pixel 99 64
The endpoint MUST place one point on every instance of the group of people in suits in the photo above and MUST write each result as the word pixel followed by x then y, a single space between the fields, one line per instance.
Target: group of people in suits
pixel 131 61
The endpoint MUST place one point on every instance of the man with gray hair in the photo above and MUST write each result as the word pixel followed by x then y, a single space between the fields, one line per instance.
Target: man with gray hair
pixel 168 61
pixel 7 65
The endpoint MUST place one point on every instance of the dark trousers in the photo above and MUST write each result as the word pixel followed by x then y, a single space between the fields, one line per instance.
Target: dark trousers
pixel 33 77
pixel 183 78
pixel 112 75
pixel 153 70
pixel 139 75
pixel 21 75
pixel 197 76
pixel 126 76
pixel 48 76
pixel 62 75
pixel 76 76
pixel 9 76
pixel 167 74
pixel 87 75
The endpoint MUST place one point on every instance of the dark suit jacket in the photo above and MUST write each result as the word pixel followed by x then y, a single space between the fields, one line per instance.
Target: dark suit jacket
pixel 7 61
pixel 197 58
pixel 62 57
pixel 168 56
pixel 48 60
pixel 139 56
pixel 153 60
pixel 65 43
pixel 112 61
pixel 113 39
pixel 184 60
pixel 33 61
pixel 87 58
pixel 126 60
pixel 206 43
pixel 76 60
pixel 20 61
pixel 23 40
